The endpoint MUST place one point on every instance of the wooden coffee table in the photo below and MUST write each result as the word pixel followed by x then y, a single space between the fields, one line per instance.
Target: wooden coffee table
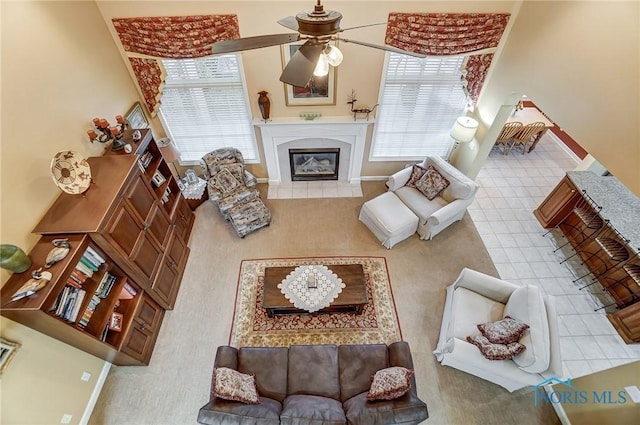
pixel 352 298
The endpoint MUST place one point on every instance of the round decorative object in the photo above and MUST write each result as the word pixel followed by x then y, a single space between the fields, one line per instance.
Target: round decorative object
pixel 13 258
pixel 70 172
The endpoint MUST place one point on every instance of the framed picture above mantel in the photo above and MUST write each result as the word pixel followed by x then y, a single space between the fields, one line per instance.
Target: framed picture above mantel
pixel 320 90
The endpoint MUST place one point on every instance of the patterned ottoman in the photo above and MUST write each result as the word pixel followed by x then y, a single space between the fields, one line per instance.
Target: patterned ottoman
pixel 249 216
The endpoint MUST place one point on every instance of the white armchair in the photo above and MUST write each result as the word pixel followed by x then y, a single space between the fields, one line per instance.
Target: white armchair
pixel 476 298
pixel 446 208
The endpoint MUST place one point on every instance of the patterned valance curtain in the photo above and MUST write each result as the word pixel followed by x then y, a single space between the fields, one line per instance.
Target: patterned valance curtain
pixel 447 34
pixel 175 37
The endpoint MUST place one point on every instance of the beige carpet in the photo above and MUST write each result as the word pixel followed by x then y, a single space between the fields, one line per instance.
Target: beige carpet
pixel 377 323
pixel 176 383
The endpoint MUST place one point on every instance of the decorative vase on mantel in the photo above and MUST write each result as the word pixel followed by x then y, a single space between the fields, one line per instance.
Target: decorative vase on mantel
pixel 264 104
pixel 13 258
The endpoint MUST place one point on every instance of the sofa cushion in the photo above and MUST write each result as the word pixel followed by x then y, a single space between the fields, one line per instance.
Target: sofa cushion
pixel 407 409
pixel 416 173
pixel 496 351
pixel 230 384
pixel 390 383
pixel 313 370
pixel 503 331
pixel 356 365
pixel 431 183
pixel 312 410
pixel 418 203
pixel 470 308
pixel 219 411
pixel 271 381
pixel 527 305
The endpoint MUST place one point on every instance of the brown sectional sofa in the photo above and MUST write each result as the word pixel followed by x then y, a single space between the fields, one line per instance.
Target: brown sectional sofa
pixel 315 385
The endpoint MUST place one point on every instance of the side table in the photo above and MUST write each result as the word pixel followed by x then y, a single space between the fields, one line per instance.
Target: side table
pixel 196 194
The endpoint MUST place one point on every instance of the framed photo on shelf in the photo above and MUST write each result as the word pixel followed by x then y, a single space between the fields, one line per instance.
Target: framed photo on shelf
pixel 319 91
pixel 7 351
pixel 115 322
pixel 136 118
pixel 158 178
pixel 192 177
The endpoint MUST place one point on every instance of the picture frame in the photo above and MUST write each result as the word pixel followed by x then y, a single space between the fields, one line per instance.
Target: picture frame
pixel 320 91
pixel 7 352
pixel 136 117
pixel 191 176
pixel 115 322
pixel 158 178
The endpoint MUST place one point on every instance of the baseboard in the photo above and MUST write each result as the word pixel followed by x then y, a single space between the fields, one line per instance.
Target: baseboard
pixel 374 178
pixel 95 394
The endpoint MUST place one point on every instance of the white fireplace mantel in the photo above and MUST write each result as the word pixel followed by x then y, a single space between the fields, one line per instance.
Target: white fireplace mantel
pixel 284 130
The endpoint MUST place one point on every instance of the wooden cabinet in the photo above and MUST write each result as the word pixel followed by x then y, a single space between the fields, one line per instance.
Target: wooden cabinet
pixel 558 204
pixel 133 217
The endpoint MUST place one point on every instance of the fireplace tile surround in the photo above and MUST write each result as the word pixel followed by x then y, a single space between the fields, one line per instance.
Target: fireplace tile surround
pixel 281 134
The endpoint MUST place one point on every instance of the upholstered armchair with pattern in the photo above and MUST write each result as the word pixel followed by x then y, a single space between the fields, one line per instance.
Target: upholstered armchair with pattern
pixel 228 182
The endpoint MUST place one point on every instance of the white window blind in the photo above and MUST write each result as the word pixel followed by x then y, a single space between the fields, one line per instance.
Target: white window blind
pixel 420 100
pixel 205 106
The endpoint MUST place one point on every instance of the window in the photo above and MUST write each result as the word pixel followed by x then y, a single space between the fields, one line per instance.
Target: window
pixel 420 100
pixel 205 106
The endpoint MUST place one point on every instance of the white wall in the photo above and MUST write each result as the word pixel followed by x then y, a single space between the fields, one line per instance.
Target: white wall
pixel 60 69
pixel 580 62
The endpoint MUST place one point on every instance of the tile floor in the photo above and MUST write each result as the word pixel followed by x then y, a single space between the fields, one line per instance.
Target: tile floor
pixel 314 189
pixel 511 187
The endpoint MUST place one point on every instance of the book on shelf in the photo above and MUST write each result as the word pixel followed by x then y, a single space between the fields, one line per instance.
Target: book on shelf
pixel 86 262
pixel 88 312
pixel 92 252
pixel 127 292
pixel 84 269
pixel 107 282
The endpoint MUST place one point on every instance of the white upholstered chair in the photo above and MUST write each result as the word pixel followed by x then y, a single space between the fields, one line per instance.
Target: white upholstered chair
pixel 476 298
pixel 446 208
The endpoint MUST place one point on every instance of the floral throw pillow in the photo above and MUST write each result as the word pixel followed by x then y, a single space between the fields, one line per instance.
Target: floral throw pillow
pixel 390 383
pixel 503 331
pixel 431 183
pixel 232 385
pixel 225 182
pixel 496 351
pixel 416 173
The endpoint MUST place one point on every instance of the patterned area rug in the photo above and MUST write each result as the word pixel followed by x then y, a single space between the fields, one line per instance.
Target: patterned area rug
pixel 251 326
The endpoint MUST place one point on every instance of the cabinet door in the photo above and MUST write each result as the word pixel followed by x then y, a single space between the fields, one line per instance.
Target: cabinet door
pixel 126 232
pixel 184 220
pixel 168 279
pixel 144 202
pixel 144 330
pixel 558 204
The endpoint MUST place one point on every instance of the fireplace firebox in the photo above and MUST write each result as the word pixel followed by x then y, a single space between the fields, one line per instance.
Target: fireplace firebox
pixel 314 164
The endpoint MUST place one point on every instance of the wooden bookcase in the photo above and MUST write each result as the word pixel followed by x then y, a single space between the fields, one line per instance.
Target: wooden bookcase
pixel 140 226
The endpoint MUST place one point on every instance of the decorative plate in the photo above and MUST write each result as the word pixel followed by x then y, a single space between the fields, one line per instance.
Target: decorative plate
pixel 70 172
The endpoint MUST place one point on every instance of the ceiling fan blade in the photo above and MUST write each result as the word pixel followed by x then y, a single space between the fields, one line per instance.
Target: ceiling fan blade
pixel 248 43
pixel 387 48
pixel 300 68
pixel 363 26
pixel 289 22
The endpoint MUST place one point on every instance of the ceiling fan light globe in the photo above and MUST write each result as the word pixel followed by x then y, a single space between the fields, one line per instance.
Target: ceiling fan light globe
pixel 334 56
pixel 322 66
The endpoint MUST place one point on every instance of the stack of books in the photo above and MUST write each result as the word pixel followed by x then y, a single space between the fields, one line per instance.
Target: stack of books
pixel 145 159
pixel 68 303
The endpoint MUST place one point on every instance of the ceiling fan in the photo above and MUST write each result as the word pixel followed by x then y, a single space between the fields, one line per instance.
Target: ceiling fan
pixel 318 27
